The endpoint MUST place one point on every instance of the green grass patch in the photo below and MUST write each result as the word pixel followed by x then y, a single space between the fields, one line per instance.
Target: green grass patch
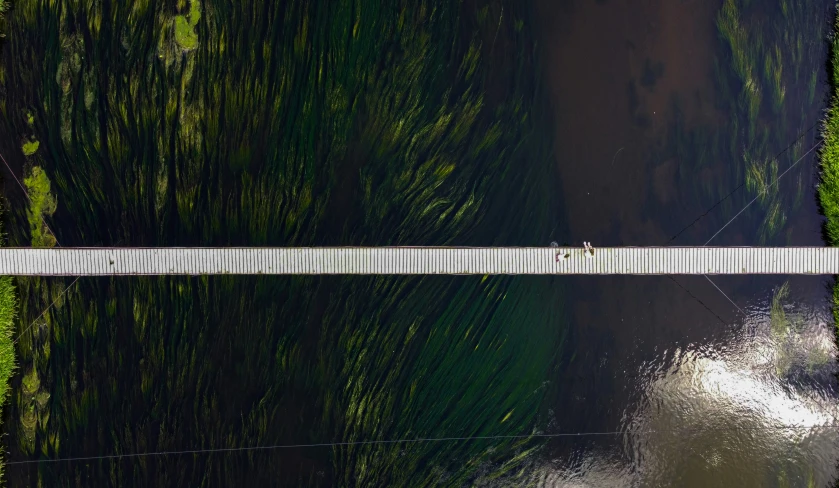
pixel 7 351
pixel 8 308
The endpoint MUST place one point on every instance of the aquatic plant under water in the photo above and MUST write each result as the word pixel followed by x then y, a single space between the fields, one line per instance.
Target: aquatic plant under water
pixel 767 82
pixel 285 124
pixel 42 204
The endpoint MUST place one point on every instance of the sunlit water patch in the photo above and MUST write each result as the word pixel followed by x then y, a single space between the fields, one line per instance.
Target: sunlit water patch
pixel 758 409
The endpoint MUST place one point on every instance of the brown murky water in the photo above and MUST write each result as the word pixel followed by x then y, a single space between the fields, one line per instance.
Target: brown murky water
pixel 650 356
pixel 612 99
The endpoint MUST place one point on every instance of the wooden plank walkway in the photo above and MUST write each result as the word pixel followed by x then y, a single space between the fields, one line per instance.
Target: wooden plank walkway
pixel 419 260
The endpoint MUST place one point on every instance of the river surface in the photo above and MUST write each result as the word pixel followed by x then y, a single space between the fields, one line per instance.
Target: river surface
pixel 617 122
pixel 699 388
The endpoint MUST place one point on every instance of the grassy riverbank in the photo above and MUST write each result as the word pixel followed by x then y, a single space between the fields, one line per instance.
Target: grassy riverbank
pixel 829 158
pixel 828 190
pixel 8 308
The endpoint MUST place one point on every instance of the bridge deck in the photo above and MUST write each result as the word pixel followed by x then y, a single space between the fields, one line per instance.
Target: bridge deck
pixel 419 260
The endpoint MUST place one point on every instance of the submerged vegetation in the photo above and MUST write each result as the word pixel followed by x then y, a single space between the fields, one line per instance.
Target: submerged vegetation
pixel 788 331
pixel 767 81
pixel 787 46
pixel 298 124
pixel 185 25
pixel 778 319
pixel 42 204
pixel 30 147
pixel 4 9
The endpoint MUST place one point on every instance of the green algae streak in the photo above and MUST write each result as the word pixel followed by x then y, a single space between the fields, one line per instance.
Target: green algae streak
pixel 30 147
pixel 185 34
pixel 42 204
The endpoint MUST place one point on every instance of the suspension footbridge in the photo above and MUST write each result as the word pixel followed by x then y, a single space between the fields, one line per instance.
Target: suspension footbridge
pixel 419 261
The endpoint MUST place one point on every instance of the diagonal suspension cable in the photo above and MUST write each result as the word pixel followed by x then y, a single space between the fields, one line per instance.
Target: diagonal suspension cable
pixel 753 200
pixel 741 185
pixel 726 296
pixel 45 310
pixel 228 450
pixel 762 192
pixel 29 198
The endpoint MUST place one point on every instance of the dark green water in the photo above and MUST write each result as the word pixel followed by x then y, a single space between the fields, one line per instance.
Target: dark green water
pixel 439 123
pixel 290 123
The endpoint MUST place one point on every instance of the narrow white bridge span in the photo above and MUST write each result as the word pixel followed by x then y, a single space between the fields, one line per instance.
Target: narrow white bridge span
pixel 419 260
